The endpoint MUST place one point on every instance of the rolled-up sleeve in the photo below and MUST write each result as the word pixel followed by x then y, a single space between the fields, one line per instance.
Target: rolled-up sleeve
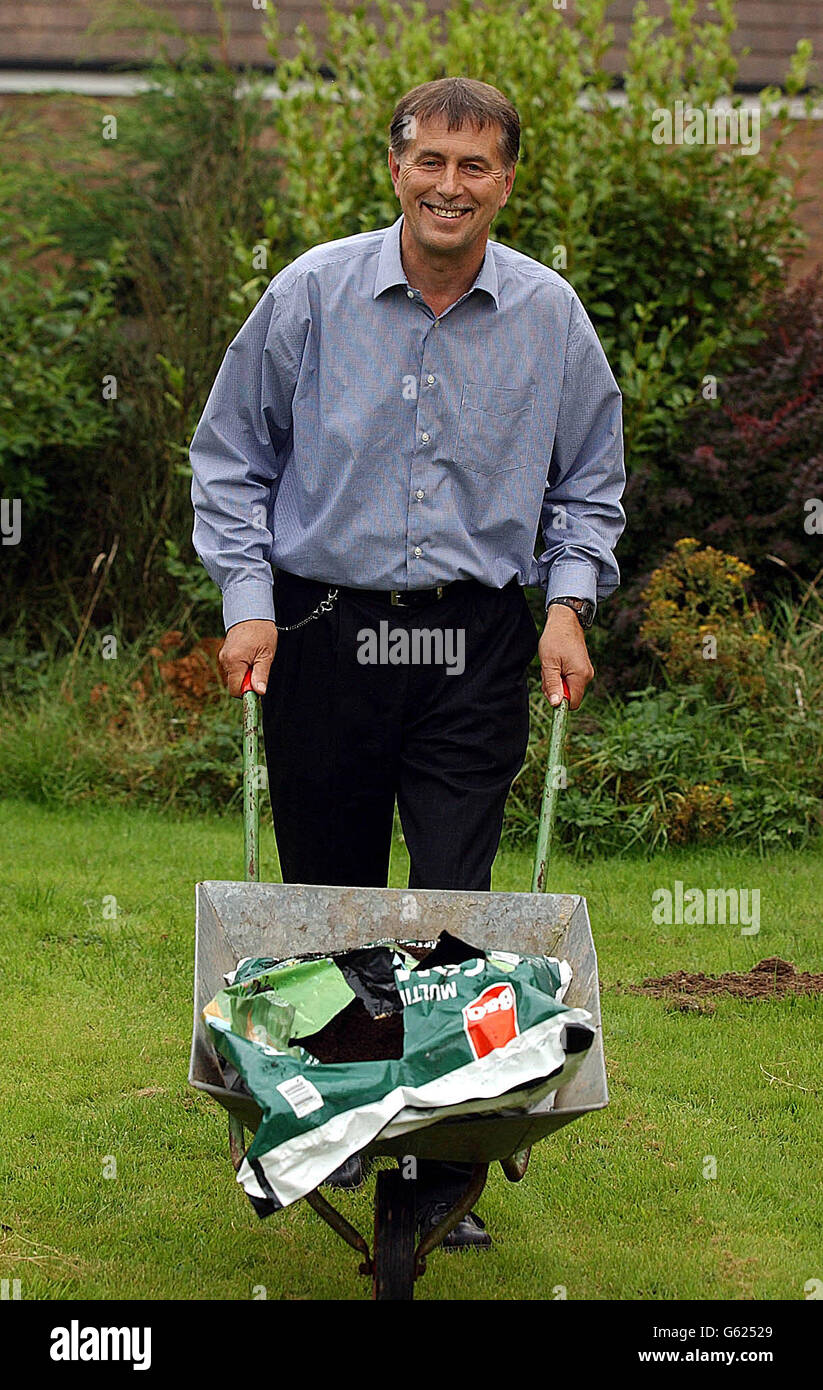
pixel 237 456
pixel 582 518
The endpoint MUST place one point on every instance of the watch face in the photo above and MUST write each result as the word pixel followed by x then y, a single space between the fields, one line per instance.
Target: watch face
pixel 583 607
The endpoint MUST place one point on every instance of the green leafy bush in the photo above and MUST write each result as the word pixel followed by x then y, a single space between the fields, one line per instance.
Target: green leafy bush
pixel 52 409
pixel 673 764
pixel 168 235
pixel 667 765
pixel 671 248
pixel 100 730
pixel 747 465
pixel 143 224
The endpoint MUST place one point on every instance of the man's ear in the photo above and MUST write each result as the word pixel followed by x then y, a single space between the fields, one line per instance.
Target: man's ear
pixel 394 167
pixel 508 185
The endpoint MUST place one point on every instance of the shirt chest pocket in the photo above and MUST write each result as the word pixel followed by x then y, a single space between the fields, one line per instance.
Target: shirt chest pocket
pixel 494 428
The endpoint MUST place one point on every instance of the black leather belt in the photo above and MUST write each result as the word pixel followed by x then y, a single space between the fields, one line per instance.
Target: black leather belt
pixel 390 598
pixel 403 598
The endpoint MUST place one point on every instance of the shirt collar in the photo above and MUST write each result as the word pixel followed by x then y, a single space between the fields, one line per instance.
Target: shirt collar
pixel 390 267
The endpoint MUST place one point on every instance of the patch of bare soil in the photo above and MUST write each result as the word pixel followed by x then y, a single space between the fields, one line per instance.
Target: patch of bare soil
pixel 769 979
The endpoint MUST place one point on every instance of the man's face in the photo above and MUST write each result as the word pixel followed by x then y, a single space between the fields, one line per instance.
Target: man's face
pixel 460 170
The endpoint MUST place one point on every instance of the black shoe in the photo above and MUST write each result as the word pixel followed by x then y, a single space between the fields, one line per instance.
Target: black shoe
pixel 468 1234
pixel 350 1175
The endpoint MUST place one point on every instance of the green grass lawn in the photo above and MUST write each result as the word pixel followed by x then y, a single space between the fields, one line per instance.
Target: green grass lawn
pixel 96 1024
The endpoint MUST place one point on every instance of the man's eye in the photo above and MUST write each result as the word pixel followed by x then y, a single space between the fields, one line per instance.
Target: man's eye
pixel 473 168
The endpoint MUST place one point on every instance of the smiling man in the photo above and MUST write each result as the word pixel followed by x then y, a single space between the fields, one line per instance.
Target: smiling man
pixel 399 416
pixel 449 201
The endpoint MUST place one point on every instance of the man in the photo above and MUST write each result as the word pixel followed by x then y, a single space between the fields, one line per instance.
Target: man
pixel 396 418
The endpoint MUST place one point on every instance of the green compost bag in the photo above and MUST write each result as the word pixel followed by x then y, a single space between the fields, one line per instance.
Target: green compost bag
pixel 382 1040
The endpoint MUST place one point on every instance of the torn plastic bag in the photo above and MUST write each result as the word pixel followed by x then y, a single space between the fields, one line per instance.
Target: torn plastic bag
pixel 386 1039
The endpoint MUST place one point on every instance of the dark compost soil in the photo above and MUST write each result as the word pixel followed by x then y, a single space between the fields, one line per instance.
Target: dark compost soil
pixel 769 979
pixel 354 1036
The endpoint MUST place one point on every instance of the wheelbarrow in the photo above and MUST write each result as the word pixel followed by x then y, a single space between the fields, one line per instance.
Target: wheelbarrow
pixel 250 918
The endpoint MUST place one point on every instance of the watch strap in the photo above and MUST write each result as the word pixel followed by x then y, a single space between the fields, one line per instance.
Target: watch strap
pixel 582 607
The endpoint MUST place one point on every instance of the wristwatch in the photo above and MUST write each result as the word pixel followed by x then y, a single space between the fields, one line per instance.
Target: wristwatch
pixel 583 607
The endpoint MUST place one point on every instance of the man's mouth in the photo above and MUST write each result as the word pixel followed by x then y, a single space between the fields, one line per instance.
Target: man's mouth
pixel 447 214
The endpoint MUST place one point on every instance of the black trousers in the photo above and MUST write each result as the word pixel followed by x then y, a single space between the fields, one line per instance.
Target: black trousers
pixel 345 738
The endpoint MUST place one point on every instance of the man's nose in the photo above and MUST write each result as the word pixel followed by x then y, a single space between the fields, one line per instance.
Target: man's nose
pixel 449 182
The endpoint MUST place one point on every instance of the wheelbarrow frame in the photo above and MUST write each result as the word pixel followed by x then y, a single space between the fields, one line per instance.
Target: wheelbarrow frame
pixel 250 918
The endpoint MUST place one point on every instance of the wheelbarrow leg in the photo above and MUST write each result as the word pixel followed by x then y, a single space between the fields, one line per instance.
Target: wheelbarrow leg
pixel 344 1228
pixel 237 1147
pixel 453 1217
pixel 516 1164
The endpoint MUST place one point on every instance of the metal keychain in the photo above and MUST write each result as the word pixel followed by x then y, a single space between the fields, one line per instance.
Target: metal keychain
pixel 324 606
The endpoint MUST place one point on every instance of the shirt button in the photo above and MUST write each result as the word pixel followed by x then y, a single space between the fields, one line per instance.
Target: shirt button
pixel 418 552
pixel 419 493
pixel 430 380
pixel 436 322
pixel 425 438
pixel 410 294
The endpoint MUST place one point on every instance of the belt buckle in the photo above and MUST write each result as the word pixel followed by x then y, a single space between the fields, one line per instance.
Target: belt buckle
pixel 397 596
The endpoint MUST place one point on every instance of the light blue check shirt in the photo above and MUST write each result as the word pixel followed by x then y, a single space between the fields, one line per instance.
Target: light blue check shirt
pixel 352 436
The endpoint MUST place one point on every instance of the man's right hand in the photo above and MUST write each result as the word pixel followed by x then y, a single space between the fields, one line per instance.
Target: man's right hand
pixel 252 643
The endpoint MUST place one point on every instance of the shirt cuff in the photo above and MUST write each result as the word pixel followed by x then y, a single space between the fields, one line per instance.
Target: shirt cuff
pixel 572 577
pixel 247 599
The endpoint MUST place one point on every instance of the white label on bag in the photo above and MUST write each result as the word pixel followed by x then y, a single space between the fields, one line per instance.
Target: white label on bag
pixel 301 1095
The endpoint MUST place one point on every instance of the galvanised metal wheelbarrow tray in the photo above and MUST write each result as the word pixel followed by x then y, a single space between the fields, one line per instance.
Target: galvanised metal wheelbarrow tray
pixel 236 920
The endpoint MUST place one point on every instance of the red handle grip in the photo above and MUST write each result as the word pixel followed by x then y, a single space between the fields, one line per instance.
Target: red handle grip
pixel 565 688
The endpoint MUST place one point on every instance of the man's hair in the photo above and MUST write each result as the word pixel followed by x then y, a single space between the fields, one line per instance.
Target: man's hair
pixel 463 101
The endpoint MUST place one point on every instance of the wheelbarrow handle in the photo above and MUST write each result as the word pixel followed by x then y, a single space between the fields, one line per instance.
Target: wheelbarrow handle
pixel 251 780
pixel 554 779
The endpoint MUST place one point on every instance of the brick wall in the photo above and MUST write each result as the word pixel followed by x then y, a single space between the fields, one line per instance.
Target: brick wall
pixel 770 28
pixel 52 31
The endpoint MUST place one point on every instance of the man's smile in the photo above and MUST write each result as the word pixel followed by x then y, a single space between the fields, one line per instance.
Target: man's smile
pixel 446 214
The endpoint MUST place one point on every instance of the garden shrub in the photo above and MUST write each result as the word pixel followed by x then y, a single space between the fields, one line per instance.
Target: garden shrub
pixel 745 475
pixel 672 249
pixel 699 623
pixel 677 764
pixel 52 412
pixel 143 228
pixel 668 765
pixel 207 194
pixel 749 466
pixel 152 727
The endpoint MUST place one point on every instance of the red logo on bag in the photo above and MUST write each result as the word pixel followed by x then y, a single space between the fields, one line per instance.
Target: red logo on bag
pixel 490 1020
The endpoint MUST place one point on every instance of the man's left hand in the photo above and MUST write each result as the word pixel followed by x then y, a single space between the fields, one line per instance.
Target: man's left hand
pixel 563 653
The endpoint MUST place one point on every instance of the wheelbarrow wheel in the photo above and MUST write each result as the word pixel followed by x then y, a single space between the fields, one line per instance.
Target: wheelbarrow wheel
pixel 395 1228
